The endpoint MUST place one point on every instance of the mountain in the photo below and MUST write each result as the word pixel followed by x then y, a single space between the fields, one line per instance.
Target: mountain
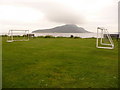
pixel 68 28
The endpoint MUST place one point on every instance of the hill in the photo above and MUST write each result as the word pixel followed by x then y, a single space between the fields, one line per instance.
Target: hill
pixel 68 28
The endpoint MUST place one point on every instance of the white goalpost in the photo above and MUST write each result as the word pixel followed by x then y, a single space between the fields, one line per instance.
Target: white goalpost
pixel 18 35
pixel 104 39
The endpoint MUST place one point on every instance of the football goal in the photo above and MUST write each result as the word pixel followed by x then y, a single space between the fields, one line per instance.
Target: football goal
pixel 18 35
pixel 104 39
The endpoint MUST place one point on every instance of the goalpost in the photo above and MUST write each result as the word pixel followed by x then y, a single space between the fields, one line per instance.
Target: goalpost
pixel 18 35
pixel 104 39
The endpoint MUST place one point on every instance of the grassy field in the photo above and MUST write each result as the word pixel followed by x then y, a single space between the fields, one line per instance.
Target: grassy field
pixel 59 63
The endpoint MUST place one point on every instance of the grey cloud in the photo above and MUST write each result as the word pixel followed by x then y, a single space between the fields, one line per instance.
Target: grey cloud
pixel 55 11
pixel 58 12
pixel 63 15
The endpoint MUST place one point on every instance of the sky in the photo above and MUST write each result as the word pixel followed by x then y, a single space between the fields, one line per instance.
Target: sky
pixel 43 14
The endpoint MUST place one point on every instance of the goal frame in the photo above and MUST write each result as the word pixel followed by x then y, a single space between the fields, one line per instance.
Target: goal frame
pixel 107 46
pixel 10 37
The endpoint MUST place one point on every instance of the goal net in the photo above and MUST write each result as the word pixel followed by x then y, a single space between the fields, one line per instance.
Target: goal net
pixel 18 35
pixel 104 39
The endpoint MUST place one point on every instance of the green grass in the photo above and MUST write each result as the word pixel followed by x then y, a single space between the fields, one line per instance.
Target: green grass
pixel 59 63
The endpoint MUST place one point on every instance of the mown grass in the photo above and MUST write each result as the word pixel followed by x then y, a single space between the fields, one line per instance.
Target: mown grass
pixel 59 63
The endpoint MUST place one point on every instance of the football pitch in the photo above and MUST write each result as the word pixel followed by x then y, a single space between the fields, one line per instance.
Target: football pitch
pixel 58 63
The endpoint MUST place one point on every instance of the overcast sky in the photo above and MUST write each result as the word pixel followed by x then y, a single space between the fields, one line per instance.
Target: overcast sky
pixel 43 14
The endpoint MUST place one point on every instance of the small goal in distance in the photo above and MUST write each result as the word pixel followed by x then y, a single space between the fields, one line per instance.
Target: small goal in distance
pixel 18 35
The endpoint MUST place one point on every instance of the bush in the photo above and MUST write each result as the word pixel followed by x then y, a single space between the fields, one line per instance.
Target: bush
pixel 4 35
pixel 40 36
pixel 60 37
pixel 76 37
pixel 93 37
pixel 49 36
pixel 71 36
